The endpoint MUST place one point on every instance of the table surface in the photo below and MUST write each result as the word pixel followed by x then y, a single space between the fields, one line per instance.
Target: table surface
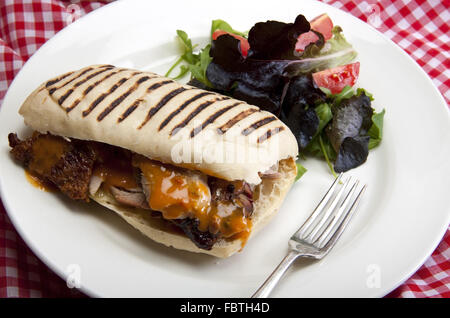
pixel 420 27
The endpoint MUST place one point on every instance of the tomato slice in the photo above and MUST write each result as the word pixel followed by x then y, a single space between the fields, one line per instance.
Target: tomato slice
pixel 335 79
pixel 324 25
pixel 245 46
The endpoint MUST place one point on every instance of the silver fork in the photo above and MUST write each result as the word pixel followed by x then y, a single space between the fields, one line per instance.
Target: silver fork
pixel 320 232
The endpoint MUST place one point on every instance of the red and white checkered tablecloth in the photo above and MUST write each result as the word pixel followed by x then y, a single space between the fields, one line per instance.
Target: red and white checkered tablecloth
pixel 420 27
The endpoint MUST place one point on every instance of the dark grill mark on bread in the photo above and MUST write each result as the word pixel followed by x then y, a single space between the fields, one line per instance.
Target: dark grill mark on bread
pixel 158 85
pixel 90 87
pixel 129 110
pixel 103 96
pixel 212 118
pixel 91 76
pixel 233 121
pixel 53 89
pixel 182 106
pixel 269 134
pixel 162 102
pixel 64 97
pixel 192 115
pixel 70 91
pixel 247 131
pixel 56 80
pixel 74 104
pixel 152 110
pixel 120 99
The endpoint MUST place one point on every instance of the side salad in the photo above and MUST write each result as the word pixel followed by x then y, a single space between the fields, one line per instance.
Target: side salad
pixel 303 72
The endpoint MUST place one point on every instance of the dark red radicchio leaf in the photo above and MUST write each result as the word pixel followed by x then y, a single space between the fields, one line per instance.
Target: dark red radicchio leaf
pixel 273 40
pixel 302 122
pixel 348 132
pixel 297 111
pixel 352 153
pixel 255 81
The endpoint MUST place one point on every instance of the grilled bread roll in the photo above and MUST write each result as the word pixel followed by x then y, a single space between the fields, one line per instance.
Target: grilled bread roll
pixel 174 124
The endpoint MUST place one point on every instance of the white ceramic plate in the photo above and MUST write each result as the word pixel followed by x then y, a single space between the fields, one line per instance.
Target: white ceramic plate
pixel 400 221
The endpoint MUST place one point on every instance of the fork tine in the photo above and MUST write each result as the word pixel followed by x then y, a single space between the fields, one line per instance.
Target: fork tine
pixel 337 216
pixel 346 219
pixel 328 213
pixel 319 207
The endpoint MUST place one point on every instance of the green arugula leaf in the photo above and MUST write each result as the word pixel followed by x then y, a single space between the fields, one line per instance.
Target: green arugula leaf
pixel 376 130
pixel 326 91
pixel 346 93
pixel 198 70
pixel 195 63
pixel 224 26
pixel 318 147
pixel 328 152
pixel 188 54
pixel 325 115
pixel 185 40
pixel 183 71
pixel 300 171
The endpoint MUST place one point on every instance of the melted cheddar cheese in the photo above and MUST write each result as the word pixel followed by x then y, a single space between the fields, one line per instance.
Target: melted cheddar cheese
pixel 178 193
pixel 47 151
pixel 118 175
pixel 38 182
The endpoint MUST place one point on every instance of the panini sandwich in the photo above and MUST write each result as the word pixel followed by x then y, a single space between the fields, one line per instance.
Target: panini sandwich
pixel 173 160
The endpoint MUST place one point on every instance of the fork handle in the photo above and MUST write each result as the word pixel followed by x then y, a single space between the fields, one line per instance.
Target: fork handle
pixel 270 283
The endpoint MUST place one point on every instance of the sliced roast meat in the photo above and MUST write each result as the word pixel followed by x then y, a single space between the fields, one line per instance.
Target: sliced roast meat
pixel 245 202
pixel 130 197
pixel 238 192
pixel 145 187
